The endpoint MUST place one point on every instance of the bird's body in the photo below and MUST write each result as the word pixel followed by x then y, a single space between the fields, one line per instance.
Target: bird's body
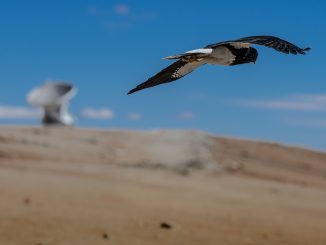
pixel 227 53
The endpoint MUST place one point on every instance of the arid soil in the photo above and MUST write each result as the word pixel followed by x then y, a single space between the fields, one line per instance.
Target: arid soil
pixel 81 186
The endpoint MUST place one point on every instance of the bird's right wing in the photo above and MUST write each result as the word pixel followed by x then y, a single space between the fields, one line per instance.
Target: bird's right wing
pixel 171 73
pixel 274 42
pixel 268 41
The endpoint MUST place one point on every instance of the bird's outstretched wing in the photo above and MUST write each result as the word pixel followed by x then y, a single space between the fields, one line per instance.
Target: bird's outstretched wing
pixel 171 73
pixel 268 41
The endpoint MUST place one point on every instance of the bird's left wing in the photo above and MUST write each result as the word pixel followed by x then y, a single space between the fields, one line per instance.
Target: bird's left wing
pixel 269 41
pixel 171 73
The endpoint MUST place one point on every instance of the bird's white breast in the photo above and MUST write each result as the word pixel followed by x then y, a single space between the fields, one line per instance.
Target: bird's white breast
pixel 220 56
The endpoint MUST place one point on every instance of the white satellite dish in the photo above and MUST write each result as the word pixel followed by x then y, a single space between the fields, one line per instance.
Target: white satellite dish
pixel 53 98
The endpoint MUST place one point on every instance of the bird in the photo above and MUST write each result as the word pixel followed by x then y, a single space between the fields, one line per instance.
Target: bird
pixel 225 53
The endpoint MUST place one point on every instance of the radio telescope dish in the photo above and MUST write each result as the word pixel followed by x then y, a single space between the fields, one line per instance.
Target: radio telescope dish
pixel 53 98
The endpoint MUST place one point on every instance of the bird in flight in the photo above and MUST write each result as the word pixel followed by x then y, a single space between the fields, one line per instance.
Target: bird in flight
pixel 227 53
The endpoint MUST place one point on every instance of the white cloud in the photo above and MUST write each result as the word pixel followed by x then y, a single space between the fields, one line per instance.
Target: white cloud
pixel 13 112
pixel 122 9
pixel 299 102
pixel 134 116
pixel 101 113
pixel 121 16
pixel 187 115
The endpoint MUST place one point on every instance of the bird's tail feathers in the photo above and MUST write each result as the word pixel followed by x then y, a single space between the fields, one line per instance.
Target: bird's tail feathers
pixel 176 57
pixel 192 54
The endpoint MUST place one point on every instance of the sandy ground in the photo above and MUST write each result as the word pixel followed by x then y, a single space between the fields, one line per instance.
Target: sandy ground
pixel 69 186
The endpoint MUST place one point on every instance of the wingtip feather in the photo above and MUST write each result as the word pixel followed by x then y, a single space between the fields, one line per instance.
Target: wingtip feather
pixel 131 91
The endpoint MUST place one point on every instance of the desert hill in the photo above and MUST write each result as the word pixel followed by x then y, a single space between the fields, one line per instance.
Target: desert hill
pixel 81 186
pixel 180 151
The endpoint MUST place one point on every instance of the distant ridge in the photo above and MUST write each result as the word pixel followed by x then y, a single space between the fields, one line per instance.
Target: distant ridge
pixel 183 152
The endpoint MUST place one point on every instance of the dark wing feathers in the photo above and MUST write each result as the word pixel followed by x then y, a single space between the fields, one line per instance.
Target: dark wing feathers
pixel 171 73
pixel 274 42
pixel 164 76
pixel 268 41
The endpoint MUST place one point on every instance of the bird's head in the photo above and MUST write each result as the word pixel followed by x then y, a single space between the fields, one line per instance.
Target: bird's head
pixel 252 55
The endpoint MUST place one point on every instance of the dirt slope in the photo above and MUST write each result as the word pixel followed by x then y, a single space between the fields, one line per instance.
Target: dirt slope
pixel 70 186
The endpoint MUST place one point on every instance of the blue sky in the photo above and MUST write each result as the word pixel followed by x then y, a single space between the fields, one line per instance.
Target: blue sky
pixel 106 48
